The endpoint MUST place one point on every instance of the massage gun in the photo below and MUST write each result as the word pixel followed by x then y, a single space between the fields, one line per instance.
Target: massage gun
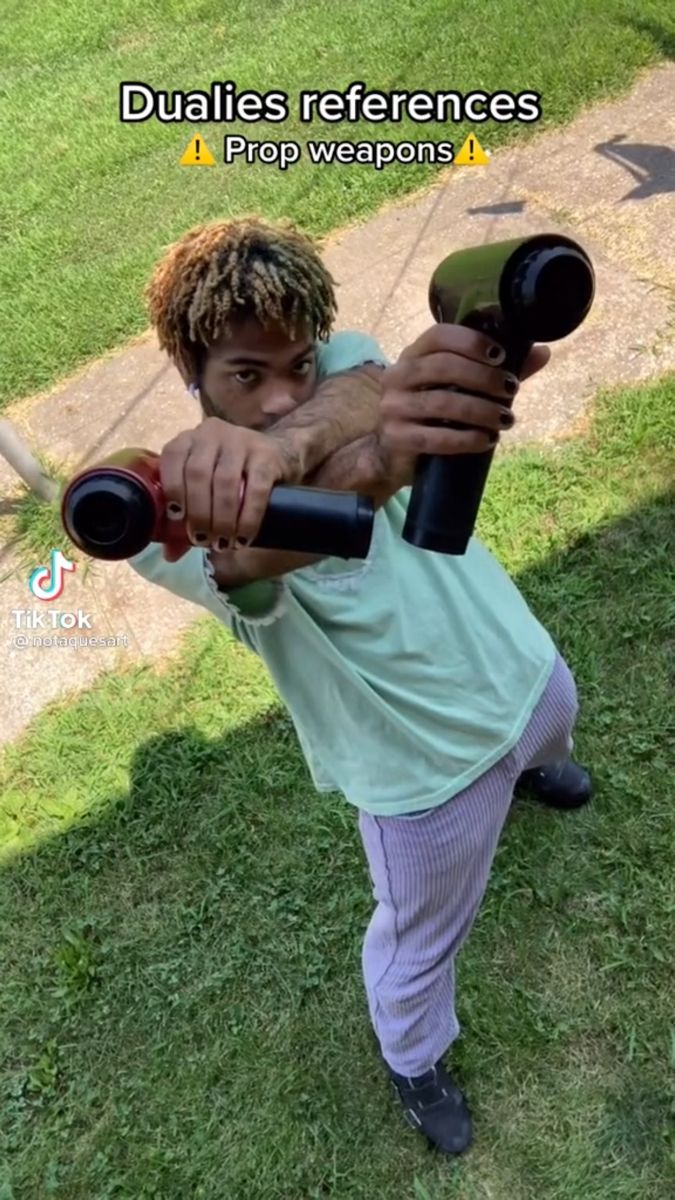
pixel 115 508
pixel 528 290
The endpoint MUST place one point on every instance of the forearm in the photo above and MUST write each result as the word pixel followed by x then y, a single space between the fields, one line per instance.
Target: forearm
pixel 365 467
pixel 343 409
pixel 236 568
pixel 361 467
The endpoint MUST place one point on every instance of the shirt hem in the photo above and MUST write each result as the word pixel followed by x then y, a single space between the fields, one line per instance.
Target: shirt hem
pixel 448 791
pixel 228 599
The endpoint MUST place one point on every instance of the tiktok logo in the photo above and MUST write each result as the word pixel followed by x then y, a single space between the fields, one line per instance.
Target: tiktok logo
pixel 47 582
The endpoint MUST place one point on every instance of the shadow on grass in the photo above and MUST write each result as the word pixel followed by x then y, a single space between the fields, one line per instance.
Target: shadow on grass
pixel 182 980
pixel 662 38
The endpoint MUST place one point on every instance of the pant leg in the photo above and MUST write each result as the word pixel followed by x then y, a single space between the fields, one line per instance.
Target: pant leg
pixel 548 736
pixel 429 876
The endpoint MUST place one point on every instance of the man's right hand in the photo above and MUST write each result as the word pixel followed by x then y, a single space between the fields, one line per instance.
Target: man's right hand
pixel 417 390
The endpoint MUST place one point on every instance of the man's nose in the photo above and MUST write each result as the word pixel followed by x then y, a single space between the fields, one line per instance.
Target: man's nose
pixel 278 403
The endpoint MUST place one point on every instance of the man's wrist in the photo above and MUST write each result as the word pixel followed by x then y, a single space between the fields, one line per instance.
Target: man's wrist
pixel 344 408
pixel 306 447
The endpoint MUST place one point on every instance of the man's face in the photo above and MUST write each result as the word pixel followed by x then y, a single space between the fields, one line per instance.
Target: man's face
pixel 256 376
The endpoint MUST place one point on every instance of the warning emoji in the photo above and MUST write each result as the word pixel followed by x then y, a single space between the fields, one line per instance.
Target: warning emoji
pixel 197 154
pixel 472 154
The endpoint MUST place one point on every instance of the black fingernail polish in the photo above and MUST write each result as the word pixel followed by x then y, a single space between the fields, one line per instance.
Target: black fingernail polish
pixel 241 542
pixel 511 385
pixel 174 509
pixel 495 353
pixel 506 420
pixel 223 543
pixel 200 537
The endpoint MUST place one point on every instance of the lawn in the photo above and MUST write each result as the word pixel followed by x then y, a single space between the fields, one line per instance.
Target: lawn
pixel 90 202
pixel 181 1009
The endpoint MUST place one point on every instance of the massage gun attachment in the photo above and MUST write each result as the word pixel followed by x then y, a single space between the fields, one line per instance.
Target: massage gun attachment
pixel 115 508
pixel 528 290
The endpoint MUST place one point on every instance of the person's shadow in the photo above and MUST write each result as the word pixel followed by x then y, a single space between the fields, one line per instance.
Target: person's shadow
pixel 663 39
pixel 183 965
pixel 652 166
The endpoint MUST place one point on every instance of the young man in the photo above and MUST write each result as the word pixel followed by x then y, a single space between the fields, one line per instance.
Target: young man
pixel 439 689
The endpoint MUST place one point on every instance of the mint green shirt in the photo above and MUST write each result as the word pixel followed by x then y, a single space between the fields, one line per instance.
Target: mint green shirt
pixel 407 675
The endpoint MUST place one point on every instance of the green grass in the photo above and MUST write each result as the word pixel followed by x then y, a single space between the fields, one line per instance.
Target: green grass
pixel 38 526
pixel 34 525
pixel 181 1008
pixel 31 526
pixel 91 202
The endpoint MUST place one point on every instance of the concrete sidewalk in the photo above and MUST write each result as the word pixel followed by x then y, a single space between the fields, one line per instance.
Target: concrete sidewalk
pixel 602 180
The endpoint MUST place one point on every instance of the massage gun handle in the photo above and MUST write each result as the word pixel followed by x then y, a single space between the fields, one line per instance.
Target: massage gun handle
pixel 447 489
pixel 302 520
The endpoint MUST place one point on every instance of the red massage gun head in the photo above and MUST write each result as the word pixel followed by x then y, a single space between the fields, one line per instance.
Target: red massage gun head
pixel 115 508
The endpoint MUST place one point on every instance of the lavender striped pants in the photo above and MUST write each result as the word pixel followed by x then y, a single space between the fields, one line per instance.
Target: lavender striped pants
pixel 429 873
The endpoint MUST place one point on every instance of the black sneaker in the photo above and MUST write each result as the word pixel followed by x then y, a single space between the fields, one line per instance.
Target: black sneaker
pixel 560 784
pixel 434 1105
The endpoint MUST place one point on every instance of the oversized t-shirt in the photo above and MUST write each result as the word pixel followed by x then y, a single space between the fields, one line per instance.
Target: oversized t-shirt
pixel 408 674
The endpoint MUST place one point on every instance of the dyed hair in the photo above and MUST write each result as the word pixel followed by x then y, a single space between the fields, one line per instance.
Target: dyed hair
pixel 226 271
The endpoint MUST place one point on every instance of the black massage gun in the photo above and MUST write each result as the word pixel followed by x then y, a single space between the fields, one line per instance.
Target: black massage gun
pixel 535 289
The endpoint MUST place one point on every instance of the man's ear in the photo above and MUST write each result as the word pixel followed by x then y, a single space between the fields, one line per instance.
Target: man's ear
pixel 190 380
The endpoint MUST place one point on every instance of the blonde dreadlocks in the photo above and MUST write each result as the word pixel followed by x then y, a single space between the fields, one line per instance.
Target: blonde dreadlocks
pixel 228 270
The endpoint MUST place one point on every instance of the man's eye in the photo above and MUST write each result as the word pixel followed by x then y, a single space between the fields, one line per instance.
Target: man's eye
pixel 304 368
pixel 246 376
